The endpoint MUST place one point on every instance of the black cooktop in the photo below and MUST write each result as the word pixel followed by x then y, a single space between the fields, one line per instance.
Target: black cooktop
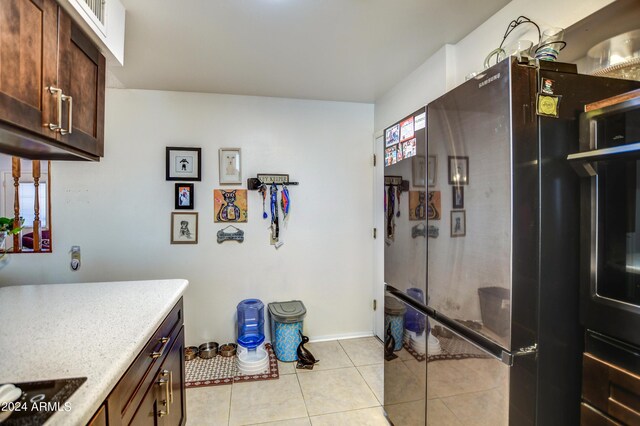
pixel 40 400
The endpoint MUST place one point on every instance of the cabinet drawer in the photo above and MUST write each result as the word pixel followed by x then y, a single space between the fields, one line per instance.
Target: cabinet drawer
pixel 611 389
pixel 128 393
pixel 590 417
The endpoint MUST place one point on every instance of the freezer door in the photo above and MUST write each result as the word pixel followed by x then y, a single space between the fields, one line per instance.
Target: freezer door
pixel 465 384
pixel 405 373
pixel 437 376
pixel 469 264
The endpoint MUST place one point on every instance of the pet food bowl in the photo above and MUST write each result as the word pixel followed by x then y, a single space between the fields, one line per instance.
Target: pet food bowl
pixel 208 350
pixel 190 352
pixel 228 349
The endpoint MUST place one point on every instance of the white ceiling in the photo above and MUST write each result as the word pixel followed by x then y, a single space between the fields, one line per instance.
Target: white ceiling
pixel 342 50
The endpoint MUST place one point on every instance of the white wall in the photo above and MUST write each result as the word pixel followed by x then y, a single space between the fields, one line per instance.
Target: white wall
pixel 119 210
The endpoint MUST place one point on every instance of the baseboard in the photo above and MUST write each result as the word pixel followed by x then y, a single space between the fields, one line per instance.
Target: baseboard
pixel 354 335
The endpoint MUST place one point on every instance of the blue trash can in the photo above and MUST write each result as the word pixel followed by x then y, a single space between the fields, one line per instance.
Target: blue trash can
pixel 286 326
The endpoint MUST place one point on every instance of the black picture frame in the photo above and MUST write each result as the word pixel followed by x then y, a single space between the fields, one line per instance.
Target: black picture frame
pixel 458 170
pixel 184 196
pixel 183 163
pixel 457 197
pixel 458 223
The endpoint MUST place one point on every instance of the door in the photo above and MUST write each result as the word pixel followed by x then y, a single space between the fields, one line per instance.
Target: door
pixel 378 243
pixel 173 370
pixel 465 384
pixel 609 162
pixel 81 76
pixel 28 57
pixel 469 262
pixel 405 369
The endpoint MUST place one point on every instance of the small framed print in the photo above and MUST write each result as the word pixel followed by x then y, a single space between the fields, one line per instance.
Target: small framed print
pixel 458 170
pixel 184 228
pixel 183 163
pixel 458 223
pixel 432 167
pixel 457 197
pixel 184 196
pixel 419 171
pixel 230 166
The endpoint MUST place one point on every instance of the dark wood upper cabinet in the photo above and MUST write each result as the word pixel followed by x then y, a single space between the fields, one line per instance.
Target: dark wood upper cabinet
pixel 51 76
pixel 28 55
pixel 81 77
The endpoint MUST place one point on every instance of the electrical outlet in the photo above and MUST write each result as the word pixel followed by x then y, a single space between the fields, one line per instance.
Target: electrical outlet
pixel 75 258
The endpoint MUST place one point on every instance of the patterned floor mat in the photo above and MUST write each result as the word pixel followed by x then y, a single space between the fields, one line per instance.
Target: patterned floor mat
pixel 224 371
pixel 452 348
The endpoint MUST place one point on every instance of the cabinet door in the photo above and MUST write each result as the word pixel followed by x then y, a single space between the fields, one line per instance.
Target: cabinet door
pixel 81 75
pixel 148 412
pixel 28 57
pixel 174 368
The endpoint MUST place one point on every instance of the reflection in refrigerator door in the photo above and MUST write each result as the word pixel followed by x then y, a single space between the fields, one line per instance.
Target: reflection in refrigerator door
pixel 405 372
pixel 466 385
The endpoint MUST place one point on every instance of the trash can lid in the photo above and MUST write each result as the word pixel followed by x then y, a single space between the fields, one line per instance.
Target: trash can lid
pixel 287 312
pixel 393 306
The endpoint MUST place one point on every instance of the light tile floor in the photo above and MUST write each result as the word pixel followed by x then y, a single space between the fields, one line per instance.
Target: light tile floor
pixel 344 388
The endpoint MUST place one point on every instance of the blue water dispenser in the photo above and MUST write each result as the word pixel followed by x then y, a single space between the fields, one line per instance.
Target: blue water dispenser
pixel 250 323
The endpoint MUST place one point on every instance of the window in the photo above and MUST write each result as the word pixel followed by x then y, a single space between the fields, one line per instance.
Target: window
pixel 27 205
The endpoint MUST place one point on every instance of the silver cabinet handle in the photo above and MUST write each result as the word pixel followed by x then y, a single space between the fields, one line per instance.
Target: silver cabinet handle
pixel 58 94
pixel 69 101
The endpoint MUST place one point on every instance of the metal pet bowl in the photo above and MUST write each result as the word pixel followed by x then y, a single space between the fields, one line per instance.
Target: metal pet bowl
pixel 208 350
pixel 190 352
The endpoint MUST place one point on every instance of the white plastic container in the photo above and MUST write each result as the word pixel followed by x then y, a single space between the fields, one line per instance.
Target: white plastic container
pixel 253 361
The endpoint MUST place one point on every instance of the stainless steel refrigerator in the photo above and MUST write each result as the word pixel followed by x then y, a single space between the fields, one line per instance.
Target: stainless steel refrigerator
pixel 487 299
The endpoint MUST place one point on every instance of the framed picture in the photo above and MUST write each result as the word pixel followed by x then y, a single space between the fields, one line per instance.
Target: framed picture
pixel 184 196
pixel 417 205
pixel 458 170
pixel 419 171
pixel 432 170
pixel 458 223
pixel 457 195
pixel 183 163
pixel 184 228
pixel 230 206
pixel 230 166
pixel 392 135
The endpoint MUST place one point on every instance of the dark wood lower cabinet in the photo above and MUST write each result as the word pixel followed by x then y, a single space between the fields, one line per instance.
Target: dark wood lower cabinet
pixel 152 390
pixel 610 394
pixel 164 402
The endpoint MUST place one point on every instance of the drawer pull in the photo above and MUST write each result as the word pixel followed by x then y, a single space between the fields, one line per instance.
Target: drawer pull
pixel 69 101
pixel 165 343
pixel 58 94
pixel 166 402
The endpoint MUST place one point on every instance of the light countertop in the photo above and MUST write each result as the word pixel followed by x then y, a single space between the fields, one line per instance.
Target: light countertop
pixel 92 330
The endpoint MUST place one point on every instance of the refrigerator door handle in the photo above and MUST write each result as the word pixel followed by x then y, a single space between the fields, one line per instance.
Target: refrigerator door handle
pixel 507 358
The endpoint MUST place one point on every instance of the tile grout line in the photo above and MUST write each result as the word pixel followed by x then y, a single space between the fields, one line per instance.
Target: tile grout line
pixel 230 399
pixel 304 400
pixel 369 386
